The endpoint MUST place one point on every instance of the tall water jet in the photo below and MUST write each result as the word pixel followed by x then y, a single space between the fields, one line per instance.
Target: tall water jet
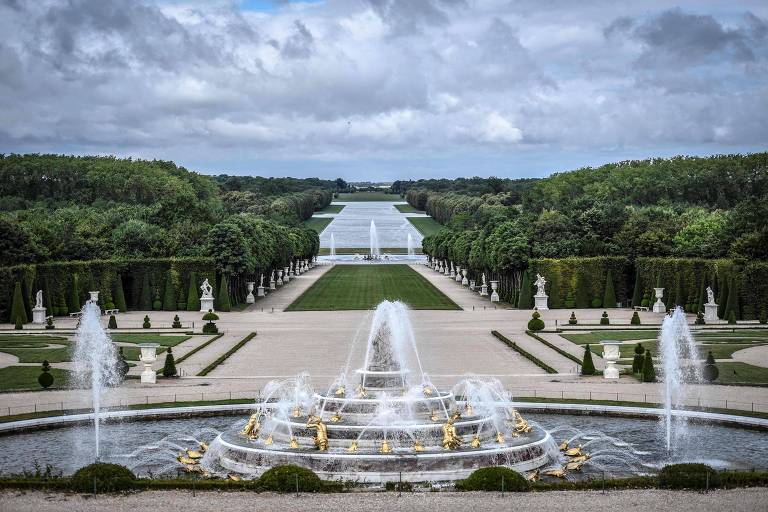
pixel 95 361
pixel 411 252
pixel 333 247
pixel 679 361
pixel 375 249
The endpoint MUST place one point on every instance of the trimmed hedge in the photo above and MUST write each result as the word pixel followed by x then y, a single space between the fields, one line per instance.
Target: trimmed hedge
pixel 496 478
pixel 688 476
pixel 101 477
pixel 554 347
pixel 286 478
pixel 205 371
pixel 535 360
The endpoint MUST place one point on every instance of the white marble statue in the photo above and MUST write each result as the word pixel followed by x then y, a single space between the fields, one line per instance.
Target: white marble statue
pixel 540 285
pixel 39 299
pixel 710 295
pixel 207 290
pixel 483 278
pixel 261 281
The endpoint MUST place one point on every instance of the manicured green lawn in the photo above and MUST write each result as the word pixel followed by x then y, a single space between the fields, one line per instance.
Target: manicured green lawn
pixel 332 208
pixel 318 223
pixel 406 208
pixel 596 337
pixel 425 225
pixel 741 373
pixel 364 286
pixel 368 196
pixel 25 377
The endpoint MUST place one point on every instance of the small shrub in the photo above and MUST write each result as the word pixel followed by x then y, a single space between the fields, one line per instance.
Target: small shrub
pixel 210 327
pixel 19 325
pixel 572 320
pixel 699 319
pixel 176 322
pixel 637 362
pixel 596 303
pixel 146 324
pixel 688 476
pixel 710 371
pixel 731 317
pixel 101 477
pixel 587 366
pixel 492 479
pixel 45 379
pixel 112 322
pixel 122 365
pixel 604 320
pixel 285 478
pixel 169 368
pixel 635 319
pixel 49 323
pixel 649 372
pixel 399 486
pixel 535 323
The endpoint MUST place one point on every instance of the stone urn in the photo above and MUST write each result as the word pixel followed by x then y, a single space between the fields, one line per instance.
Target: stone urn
pixel 464 280
pixel 611 355
pixel 250 299
pixel 147 358
pixel 94 297
pixel 494 293
pixel 658 306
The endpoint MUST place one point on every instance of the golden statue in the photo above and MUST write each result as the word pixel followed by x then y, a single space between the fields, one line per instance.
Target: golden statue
pixel 520 425
pixel 451 439
pixel 186 460
pixel 336 417
pixel 194 454
pixel 499 438
pixel 427 391
pixel 417 446
pixel 385 447
pixel 580 458
pixel 534 477
pixel 559 473
pixel 321 439
pixel 574 452
pixel 352 447
pixel 252 428
pixel 563 446
pixel 296 411
pixel 268 440
pixel 574 466
pixel 340 391
pixel 203 446
pixel 233 477
pixel 294 442
pixel 361 392
pixel 468 410
pixel 475 442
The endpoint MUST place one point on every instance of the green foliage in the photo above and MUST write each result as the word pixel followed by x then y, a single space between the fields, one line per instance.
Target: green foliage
pixel 572 320
pixel 596 303
pixel 497 478
pixel 176 322
pixel 193 299
pixel 731 318
pixel 112 322
pixel 710 371
pixel 18 325
pixel 535 324
pixel 290 478
pixel 583 291
pixel 700 319
pixel 157 304
pixel 122 365
pixel 732 305
pixel 210 326
pixel 604 319
pixel 587 365
pixel 223 300
pixel 649 372
pixel 637 361
pixel 49 323
pixel 210 316
pixel 525 300
pixel 635 319
pixel 119 295
pixel 101 477
pixel 45 379
pixel 145 303
pixel 763 316
pixel 688 476
pixel 169 293
pixel 146 324
pixel 609 298
pixel 169 368
pixel 637 290
pixel 18 311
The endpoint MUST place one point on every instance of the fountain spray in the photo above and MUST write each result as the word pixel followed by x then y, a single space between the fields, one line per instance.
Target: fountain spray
pixel 95 361
pixel 374 235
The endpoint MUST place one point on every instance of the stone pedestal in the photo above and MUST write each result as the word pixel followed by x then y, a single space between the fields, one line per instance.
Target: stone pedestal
pixel 286 275
pixel 148 357
pixel 250 299
pixel 710 313
pixel 484 290
pixel 447 269
pixel 494 295
pixel 452 275
pixel 471 285
pixel 38 316
pixel 206 304
pixel 611 354
pixel 458 274
pixel 659 306
pixel 260 291
pixel 279 281
pixel 541 302
pixel 272 284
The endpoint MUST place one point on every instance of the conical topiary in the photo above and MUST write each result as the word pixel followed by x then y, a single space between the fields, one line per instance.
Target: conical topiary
pixel 535 323
pixel 45 379
pixel 223 298
pixel 733 300
pixel 169 293
pixel 193 299
pixel 146 324
pixel 19 325
pixel 635 319
pixel 710 371
pixel 119 295
pixel 112 322
pixel 74 295
pixel 176 322
pixel 722 298
pixel 763 316
pixel 169 368
pixel 122 365
pixel 732 317
pixel 604 319
pixel 637 361
pixel 587 366
pixel 145 301
pixel 570 302
pixel 525 299
pixel 637 291
pixel 609 298
pixel 649 372
pixel 583 294
pixel 18 313
pixel 572 320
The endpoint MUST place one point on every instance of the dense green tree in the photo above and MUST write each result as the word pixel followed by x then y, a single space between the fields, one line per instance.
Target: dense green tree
pixel 193 299
pixel 587 366
pixel 119 295
pixel 733 299
pixel 18 311
pixel 583 299
pixel 525 301
pixel 169 368
pixel 169 293
pixel 609 298
pixel 649 372
pixel 224 303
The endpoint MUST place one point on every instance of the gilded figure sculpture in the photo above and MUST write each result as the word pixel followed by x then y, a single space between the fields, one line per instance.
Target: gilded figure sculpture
pixel 252 428
pixel 321 439
pixel 451 439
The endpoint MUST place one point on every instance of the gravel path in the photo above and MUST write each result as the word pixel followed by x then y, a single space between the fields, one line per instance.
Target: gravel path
pixel 747 500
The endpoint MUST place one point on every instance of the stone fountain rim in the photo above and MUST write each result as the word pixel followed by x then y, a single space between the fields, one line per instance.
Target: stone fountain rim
pixel 12 427
pixel 393 399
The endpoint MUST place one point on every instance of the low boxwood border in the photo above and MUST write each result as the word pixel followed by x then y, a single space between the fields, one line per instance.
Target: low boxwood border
pixel 208 369
pixel 555 348
pixel 535 360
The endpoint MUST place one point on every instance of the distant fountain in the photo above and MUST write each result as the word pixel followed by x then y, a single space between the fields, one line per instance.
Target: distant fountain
pixel 375 249
pixel 411 252
pixel 95 361
pixel 333 247
pixel 679 357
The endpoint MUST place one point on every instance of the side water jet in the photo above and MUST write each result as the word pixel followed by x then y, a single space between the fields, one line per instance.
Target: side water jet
pixel 95 361
pixel 375 249
pixel 411 252
pixel 679 360
pixel 333 247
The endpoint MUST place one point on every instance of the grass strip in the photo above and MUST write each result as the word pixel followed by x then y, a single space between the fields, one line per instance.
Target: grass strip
pixel 425 225
pixel 406 208
pixel 197 349
pixel 535 360
pixel 555 348
pixel 208 369
pixel 318 223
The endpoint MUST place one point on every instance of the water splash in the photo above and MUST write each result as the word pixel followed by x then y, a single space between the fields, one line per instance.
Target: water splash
pixel 95 361
pixel 411 251
pixel 333 247
pixel 679 357
pixel 374 235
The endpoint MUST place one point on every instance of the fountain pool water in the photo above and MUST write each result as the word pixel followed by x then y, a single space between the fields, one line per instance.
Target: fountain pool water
pixel 679 360
pixel 374 239
pixel 95 361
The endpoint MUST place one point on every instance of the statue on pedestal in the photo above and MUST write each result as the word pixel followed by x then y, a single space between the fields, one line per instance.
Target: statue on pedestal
pixel 207 289
pixel 39 299
pixel 540 285
pixel 451 439
pixel 710 295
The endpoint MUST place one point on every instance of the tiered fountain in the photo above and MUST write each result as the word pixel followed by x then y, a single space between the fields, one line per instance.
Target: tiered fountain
pixel 382 419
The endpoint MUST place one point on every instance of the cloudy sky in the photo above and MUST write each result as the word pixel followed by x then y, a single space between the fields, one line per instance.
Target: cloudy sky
pixel 384 89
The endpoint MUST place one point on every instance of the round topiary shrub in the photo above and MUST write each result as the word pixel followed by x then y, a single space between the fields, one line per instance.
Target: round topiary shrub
pixel 146 324
pixel 635 319
pixel 102 477
pixel 176 322
pixel 535 323
pixel 700 319
pixel 688 476
pixel 45 379
pixel 284 479
pixel 572 320
pixel 604 320
pixel 492 479
pixel 210 327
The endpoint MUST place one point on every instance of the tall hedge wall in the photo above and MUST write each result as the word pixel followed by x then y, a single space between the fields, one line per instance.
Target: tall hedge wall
pixel 576 277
